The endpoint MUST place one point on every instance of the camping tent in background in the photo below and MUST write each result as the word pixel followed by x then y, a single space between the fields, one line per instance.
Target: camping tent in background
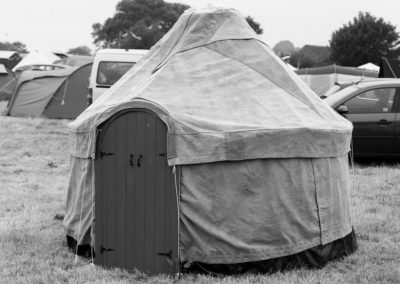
pixel 75 60
pixel 369 66
pixel 8 81
pixel 322 79
pixel 60 93
pixel 36 57
pixel 389 68
pixel 9 58
pixel 255 176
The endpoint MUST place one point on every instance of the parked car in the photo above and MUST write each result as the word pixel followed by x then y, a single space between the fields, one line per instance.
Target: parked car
pixel 109 65
pixel 374 109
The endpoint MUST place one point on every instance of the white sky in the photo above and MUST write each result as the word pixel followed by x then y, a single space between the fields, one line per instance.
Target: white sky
pixel 62 24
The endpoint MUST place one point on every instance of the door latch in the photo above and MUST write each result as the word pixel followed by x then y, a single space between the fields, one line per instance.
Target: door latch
pixel 102 154
pixel 165 254
pixel 139 160
pixel 131 161
pixel 103 249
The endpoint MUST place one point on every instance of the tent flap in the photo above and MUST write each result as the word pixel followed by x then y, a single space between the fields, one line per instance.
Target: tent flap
pixel 234 212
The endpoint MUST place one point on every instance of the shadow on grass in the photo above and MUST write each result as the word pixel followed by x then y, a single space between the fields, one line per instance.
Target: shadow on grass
pixel 377 162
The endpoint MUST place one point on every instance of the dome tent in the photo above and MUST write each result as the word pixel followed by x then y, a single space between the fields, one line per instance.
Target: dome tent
pixel 256 172
pixel 60 93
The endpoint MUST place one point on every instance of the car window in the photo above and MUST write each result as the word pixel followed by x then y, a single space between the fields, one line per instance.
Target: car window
pixel 110 72
pixel 372 101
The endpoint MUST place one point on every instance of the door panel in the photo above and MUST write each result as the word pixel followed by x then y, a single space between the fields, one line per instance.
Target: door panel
pixel 397 133
pixel 136 221
pixel 372 137
pixel 373 114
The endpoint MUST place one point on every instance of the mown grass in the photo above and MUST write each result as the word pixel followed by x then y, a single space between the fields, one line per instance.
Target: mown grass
pixel 34 165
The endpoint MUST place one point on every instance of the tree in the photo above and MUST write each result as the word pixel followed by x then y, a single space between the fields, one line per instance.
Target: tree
pixel 255 26
pixel 141 23
pixel 366 39
pixel 284 48
pixel 80 50
pixel 137 23
pixel 300 59
pixel 14 46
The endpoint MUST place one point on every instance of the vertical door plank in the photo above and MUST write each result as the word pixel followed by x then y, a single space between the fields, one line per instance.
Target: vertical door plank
pixel 173 215
pixel 120 190
pixel 99 188
pixel 161 216
pixel 130 195
pixel 140 242
pixel 109 200
pixel 149 189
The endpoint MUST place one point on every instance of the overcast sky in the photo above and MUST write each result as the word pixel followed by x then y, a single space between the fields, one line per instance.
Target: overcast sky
pixel 62 24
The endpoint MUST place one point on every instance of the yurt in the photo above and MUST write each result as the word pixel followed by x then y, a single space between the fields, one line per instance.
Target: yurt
pixel 210 155
pixel 60 93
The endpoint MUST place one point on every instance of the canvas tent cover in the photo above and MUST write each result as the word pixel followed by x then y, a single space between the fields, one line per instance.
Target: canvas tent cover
pixel 245 131
pixel 32 99
pixel 7 82
pixel 59 93
pixel 322 79
pixel 75 60
pixel 36 57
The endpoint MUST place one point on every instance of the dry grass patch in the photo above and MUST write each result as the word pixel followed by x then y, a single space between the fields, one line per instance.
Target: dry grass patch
pixel 34 163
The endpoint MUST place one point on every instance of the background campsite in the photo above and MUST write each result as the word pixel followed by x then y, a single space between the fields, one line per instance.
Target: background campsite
pixel 35 161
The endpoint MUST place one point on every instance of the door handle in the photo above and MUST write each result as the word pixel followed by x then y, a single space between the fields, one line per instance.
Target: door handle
pixel 139 160
pixel 131 164
pixel 383 122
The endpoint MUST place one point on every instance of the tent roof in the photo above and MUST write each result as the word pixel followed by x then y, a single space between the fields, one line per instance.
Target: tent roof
pixel 5 54
pixel 35 74
pixel 36 96
pixel 213 82
pixel 37 57
pixel 76 60
pixel 335 69
pixel 369 66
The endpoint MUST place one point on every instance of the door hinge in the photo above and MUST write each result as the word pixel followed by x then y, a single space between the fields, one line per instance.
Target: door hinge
pixel 162 154
pixel 165 254
pixel 103 249
pixel 102 154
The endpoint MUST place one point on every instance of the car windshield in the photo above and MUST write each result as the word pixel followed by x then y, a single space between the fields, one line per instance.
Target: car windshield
pixel 111 72
pixel 331 100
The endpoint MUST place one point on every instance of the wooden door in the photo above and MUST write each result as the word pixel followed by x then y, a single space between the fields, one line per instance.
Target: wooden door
pixel 136 208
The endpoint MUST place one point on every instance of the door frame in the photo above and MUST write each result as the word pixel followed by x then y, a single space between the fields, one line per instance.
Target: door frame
pixel 98 185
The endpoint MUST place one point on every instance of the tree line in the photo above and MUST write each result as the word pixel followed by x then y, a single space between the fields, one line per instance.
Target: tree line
pixel 141 23
pixel 366 38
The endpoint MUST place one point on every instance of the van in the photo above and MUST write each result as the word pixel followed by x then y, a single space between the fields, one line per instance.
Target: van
pixel 109 65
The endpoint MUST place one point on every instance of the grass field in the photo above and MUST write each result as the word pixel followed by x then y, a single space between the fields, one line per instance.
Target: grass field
pixel 34 163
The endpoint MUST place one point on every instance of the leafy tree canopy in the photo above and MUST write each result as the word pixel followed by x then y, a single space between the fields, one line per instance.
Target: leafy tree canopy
pixel 14 46
pixel 366 39
pixel 141 23
pixel 80 50
pixel 255 26
pixel 137 23
pixel 284 48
